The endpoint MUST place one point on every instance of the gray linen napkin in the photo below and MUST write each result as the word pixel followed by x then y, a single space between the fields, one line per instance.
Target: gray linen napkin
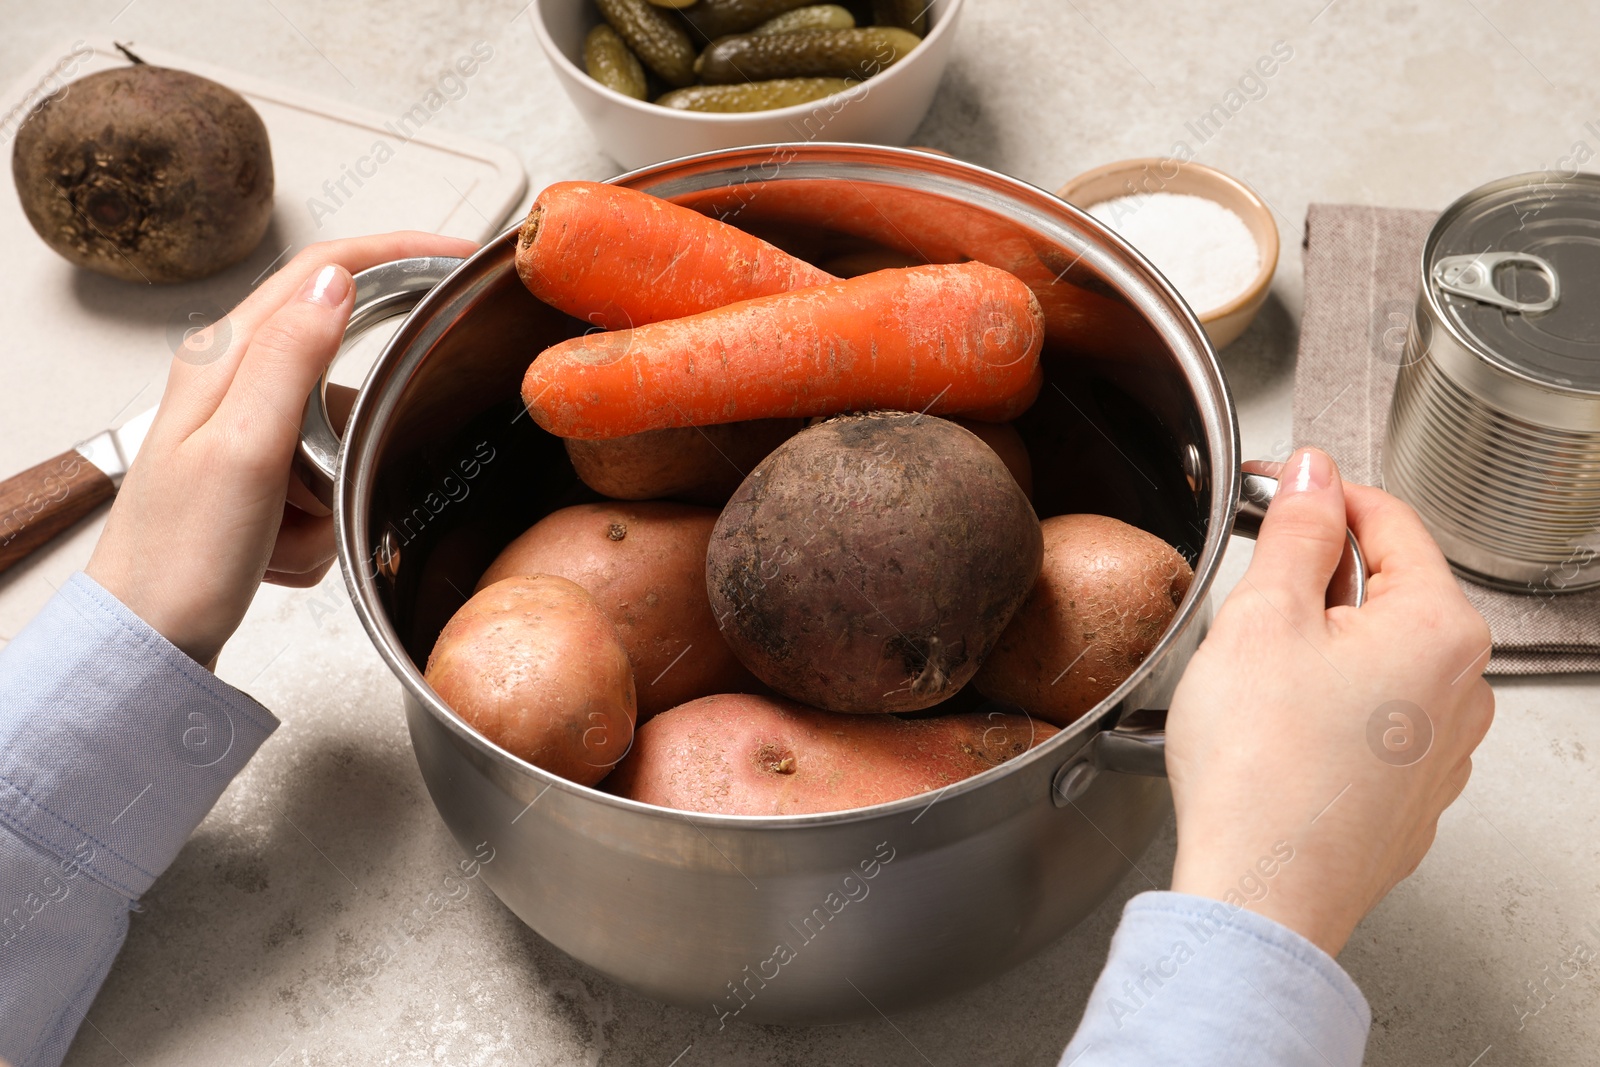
pixel 1361 279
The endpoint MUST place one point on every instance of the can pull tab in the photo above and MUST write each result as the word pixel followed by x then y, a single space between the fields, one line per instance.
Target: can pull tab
pixel 1472 276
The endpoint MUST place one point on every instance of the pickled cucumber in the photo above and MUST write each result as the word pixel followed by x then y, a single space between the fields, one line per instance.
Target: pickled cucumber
pixel 907 14
pixel 609 62
pixel 718 18
pixel 753 96
pixel 805 54
pixel 654 36
pixel 814 17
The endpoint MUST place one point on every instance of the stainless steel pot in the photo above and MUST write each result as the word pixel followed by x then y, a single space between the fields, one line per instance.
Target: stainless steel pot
pixel 799 918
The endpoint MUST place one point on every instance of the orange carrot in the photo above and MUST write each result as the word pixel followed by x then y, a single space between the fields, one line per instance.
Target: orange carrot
pixel 1016 403
pixel 1078 312
pixel 948 338
pixel 618 258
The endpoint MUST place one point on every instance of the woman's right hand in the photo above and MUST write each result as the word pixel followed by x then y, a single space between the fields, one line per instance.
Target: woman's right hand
pixel 1334 736
pixel 209 509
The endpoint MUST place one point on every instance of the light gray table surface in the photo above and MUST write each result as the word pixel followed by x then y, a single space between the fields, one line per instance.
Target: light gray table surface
pixel 329 834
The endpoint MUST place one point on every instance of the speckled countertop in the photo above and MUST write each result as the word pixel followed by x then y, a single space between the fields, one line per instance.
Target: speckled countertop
pixel 256 947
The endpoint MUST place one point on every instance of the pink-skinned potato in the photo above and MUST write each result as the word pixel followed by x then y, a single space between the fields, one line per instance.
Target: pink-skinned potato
pixel 742 754
pixel 533 664
pixel 645 565
pixel 1105 596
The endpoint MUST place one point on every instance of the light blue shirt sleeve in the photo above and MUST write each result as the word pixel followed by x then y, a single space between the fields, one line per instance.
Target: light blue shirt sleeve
pixel 1203 983
pixel 113 746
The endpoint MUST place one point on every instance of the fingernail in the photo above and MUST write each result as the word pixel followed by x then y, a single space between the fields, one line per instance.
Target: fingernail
pixel 1307 469
pixel 328 286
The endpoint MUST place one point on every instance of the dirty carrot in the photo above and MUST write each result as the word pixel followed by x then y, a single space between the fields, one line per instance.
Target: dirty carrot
pixel 946 338
pixel 916 224
pixel 1014 404
pixel 618 258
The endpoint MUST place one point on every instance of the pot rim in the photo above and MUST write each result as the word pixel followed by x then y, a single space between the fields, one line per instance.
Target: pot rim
pixel 1108 253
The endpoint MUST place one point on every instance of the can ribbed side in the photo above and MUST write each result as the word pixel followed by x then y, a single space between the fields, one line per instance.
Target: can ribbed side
pixel 1520 493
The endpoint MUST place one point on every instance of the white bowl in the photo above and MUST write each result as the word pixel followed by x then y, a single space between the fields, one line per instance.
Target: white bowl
pixel 884 109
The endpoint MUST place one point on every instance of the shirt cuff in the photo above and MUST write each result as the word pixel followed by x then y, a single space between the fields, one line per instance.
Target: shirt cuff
pixel 113 743
pixel 1198 981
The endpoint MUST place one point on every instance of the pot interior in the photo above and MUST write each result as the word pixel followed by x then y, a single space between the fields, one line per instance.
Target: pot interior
pixel 1134 420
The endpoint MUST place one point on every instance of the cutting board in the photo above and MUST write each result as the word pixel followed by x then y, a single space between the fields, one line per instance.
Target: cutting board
pixel 85 351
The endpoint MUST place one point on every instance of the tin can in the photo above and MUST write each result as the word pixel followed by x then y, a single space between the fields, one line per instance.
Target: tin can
pixel 1494 432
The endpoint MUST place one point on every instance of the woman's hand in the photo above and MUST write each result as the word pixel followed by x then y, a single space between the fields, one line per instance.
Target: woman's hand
pixel 208 510
pixel 1333 736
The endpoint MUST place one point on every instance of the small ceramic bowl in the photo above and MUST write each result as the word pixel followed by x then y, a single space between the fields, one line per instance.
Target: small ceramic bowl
pixel 884 109
pixel 1225 323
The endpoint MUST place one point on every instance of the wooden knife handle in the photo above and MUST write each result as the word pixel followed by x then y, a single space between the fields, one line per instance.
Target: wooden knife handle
pixel 43 501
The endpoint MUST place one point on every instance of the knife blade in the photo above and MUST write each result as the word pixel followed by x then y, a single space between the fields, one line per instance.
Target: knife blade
pixel 47 499
pixel 113 450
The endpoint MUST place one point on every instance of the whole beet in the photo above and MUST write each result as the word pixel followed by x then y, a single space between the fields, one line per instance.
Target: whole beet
pixel 146 173
pixel 871 562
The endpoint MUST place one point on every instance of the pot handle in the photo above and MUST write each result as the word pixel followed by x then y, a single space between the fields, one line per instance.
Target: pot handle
pixel 1138 744
pixel 1349 583
pixel 1126 749
pixel 382 292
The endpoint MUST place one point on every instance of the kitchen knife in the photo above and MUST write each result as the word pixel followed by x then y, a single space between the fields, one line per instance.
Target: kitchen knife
pixel 45 500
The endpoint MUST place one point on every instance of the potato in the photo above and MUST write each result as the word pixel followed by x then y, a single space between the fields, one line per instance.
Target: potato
pixel 756 755
pixel 1007 444
pixel 870 563
pixel 1104 599
pixel 695 464
pixel 536 667
pixel 645 565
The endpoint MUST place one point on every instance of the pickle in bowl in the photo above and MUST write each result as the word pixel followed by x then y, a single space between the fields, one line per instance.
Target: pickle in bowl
pixel 753 96
pixel 718 18
pixel 607 59
pixel 858 54
pixel 810 17
pixel 658 39
pixel 907 14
